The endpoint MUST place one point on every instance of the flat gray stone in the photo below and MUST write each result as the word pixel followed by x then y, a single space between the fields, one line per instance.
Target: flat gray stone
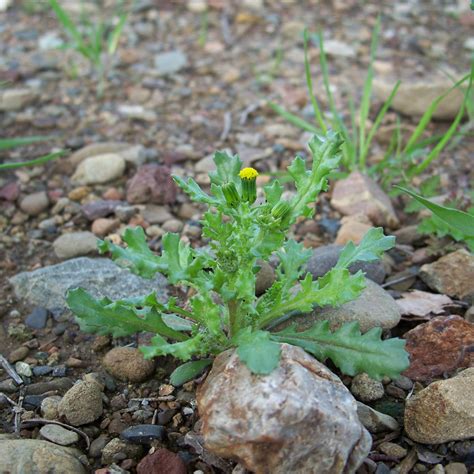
pixel 374 308
pixel 59 435
pixel 324 258
pixel 47 287
pixel 170 62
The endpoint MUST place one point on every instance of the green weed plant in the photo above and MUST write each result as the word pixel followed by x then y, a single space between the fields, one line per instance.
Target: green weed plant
pixel 224 311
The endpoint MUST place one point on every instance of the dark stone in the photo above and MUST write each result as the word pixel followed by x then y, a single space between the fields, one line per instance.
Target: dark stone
pixel 329 226
pixel 59 371
pixel 96 447
pixel 33 401
pixel 382 469
pixel 164 417
pixel 324 258
pixel 143 434
pixel 59 329
pixel 101 208
pixel 61 384
pixel 37 318
pixel 42 370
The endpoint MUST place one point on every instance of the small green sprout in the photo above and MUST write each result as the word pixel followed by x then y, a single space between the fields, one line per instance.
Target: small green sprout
pixel 224 311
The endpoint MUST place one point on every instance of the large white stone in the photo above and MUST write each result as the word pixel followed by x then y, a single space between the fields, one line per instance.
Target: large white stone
pixel 299 419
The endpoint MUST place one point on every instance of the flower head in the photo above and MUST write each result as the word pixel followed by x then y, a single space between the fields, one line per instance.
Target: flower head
pixel 248 173
pixel 248 177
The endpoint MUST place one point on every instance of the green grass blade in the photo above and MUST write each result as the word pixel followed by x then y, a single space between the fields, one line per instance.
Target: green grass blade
pixel 7 143
pixel 37 161
pixel 459 220
pixel 319 119
pixel 293 119
pixel 337 123
pixel 426 117
pixel 378 121
pixel 434 153
pixel 367 94
pixel 116 33
pixel 67 23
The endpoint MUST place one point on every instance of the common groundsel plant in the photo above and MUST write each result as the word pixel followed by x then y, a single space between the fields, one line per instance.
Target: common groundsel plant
pixel 224 311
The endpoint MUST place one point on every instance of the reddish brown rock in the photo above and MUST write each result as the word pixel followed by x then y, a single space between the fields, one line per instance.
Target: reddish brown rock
pixel 161 461
pixel 452 275
pixel 10 191
pixel 439 346
pixel 103 226
pixel 151 184
pixel 359 194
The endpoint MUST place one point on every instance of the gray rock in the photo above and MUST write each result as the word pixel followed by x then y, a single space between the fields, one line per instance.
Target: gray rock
pixel 414 97
pixel 118 450
pixel 170 62
pixel 299 419
pixel 47 286
pixel 99 169
pixel 59 435
pixel 374 308
pixel 33 456
pixel 22 368
pixel 375 421
pixel 75 244
pixel 81 404
pixel 325 257
pixel 35 203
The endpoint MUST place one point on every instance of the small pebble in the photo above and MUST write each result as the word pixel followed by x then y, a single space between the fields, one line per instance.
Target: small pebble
pixel 366 389
pixel 49 407
pixel 128 364
pixel 392 449
pixel 34 203
pixel 18 354
pixel 22 368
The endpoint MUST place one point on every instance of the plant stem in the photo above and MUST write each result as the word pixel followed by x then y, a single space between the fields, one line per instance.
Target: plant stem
pixel 233 306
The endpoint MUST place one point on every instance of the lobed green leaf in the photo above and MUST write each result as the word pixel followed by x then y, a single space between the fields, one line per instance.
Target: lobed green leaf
pixel 351 351
pixel 119 318
pixel 371 248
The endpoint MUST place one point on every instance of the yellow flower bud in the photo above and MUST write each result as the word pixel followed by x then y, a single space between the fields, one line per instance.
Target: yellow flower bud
pixel 249 187
pixel 231 194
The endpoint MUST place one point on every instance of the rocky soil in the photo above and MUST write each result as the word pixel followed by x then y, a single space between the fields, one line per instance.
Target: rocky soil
pixel 185 83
